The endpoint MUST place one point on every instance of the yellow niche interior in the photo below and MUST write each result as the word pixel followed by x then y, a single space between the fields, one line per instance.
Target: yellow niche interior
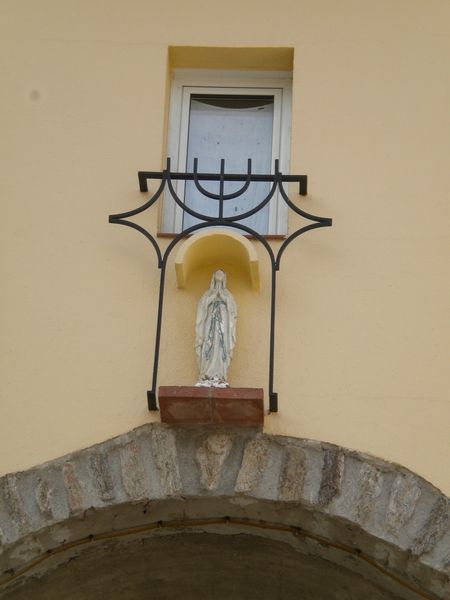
pixel 188 277
pixel 208 250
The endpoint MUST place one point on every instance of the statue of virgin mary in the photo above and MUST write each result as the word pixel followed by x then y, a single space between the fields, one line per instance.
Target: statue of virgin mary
pixel 215 332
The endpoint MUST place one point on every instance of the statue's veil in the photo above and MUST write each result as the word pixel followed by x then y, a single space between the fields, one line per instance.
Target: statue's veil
pixel 215 283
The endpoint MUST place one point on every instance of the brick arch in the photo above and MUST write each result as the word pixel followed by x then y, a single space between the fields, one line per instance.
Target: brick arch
pixel 387 525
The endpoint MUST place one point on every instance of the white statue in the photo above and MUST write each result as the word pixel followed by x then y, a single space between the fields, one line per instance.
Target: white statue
pixel 215 332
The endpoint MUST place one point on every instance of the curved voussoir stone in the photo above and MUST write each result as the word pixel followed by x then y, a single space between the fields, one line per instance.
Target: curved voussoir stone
pixel 132 471
pixel 405 493
pixel 73 487
pixel 43 494
pixel 211 456
pixel 102 478
pixel 293 474
pixel 436 525
pixel 15 520
pixel 369 489
pixel 332 475
pixel 253 464
pixel 164 451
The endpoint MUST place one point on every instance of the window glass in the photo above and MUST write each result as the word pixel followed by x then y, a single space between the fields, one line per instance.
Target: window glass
pixel 236 128
pixel 235 115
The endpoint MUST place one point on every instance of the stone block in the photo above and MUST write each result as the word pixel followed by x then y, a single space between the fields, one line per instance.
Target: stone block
pixel 189 405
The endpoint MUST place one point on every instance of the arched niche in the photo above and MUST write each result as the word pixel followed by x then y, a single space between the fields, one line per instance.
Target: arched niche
pixel 210 248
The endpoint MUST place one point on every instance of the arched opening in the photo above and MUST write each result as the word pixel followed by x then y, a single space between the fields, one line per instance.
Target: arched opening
pixel 208 249
pixel 213 513
pixel 198 564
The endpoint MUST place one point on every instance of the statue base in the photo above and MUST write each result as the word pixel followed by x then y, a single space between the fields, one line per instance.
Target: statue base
pixel 192 405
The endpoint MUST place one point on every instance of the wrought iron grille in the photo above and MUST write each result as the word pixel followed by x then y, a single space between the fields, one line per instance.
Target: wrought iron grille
pixel 277 181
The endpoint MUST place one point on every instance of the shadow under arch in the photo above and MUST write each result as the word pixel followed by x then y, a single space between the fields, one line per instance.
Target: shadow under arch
pixel 305 518
pixel 207 249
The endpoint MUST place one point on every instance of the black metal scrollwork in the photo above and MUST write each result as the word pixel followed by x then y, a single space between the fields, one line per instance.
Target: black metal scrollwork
pixel 277 179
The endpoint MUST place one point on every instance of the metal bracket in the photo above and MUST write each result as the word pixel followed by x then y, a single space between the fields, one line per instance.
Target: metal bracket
pixel 277 179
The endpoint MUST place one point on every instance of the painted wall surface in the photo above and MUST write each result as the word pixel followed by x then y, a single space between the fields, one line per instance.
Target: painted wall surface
pixel 362 323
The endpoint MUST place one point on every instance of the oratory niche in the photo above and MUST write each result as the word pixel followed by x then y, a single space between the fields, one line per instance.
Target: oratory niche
pixel 212 398
pixel 212 233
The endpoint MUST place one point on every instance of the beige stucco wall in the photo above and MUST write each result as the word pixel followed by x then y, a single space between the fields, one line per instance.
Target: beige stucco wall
pixel 363 329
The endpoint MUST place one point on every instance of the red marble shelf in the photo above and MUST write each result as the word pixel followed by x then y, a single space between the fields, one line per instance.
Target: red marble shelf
pixel 190 405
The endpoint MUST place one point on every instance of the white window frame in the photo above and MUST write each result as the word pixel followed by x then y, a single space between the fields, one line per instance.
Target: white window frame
pixel 185 83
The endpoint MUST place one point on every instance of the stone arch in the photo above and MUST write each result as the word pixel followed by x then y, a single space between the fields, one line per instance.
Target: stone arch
pixel 300 511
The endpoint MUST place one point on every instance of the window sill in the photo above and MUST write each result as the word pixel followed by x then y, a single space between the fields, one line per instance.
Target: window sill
pixel 272 236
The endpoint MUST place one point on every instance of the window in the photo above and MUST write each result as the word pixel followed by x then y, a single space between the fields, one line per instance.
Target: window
pixel 235 116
